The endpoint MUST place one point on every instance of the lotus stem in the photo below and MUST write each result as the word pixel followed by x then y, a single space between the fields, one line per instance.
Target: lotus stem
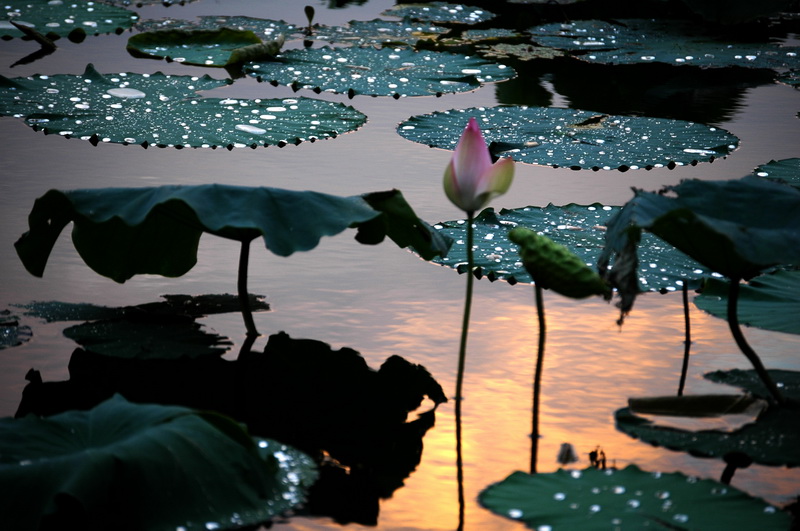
pixel 462 354
pixel 537 378
pixel 750 354
pixel 687 342
pixel 244 297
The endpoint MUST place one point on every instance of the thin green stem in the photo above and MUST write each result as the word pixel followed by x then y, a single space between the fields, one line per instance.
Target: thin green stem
pixel 733 324
pixel 244 297
pixel 687 342
pixel 537 378
pixel 462 354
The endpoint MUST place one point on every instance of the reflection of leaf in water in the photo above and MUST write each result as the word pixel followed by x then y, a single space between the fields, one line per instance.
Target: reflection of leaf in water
pixel 119 460
pixel 12 334
pixel 551 136
pixel 630 498
pixel 165 111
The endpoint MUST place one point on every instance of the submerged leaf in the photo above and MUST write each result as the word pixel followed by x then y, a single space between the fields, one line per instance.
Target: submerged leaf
pixel 128 466
pixel 628 499
pixel 770 302
pixel 122 232
pixel 392 72
pixel 165 110
pixel 576 139
pixel 64 18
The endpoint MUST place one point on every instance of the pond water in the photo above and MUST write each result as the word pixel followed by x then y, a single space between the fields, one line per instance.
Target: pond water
pixel 382 300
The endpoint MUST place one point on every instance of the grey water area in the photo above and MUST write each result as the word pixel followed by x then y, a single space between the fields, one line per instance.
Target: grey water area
pixel 382 300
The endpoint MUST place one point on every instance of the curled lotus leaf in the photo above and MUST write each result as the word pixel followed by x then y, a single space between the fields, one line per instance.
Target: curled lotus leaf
pixel 145 466
pixel 266 29
pixel 580 228
pixel 672 42
pixel 199 47
pixel 441 12
pixel 576 139
pixel 396 72
pixel 630 498
pixel 62 19
pixel 166 111
pixel 377 33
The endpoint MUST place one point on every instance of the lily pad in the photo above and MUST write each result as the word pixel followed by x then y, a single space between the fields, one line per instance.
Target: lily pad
pixel 630 498
pixel 441 12
pixel 75 19
pixel 748 380
pixel 770 302
pixel 520 52
pixel 784 170
pixel 581 228
pixel 165 110
pixel 396 72
pixel 192 47
pixel 377 33
pixel 673 42
pixel 12 334
pixel 122 465
pixel 266 29
pixel 122 232
pixel 576 139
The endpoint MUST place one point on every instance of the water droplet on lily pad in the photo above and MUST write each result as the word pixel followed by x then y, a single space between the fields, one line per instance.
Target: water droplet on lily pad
pixel 126 93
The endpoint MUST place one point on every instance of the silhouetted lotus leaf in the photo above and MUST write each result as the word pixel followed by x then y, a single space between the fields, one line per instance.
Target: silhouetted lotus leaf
pixel 581 228
pixel 673 42
pixel 392 72
pixel 267 29
pixel 174 307
pixel 199 47
pixel 788 381
pixel 785 170
pixel 697 406
pixel 576 139
pixel 771 301
pixel 62 19
pixel 377 33
pixel 127 466
pixel 165 110
pixel 630 498
pixel 12 334
pixel 441 12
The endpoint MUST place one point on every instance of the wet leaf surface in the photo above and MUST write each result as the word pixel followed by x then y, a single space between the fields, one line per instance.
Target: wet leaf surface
pixel 576 139
pixel 158 467
pixel 62 18
pixel 784 170
pixel 396 72
pixel 211 48
pixel 581 228
pixel 666 41
pixel 166 111
pixel 266 29
pixel 441 12
pixel 377 33
pixel 628 498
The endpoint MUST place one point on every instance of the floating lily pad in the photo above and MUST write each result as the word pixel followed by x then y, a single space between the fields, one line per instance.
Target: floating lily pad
pixel 395 72
pixel 521 52
pixel 627 499
pixel 174 306
pixel 785 170
pixel 581 228
pixel 576 139
pixel 441 12
pixel 791 78
pixel 771 302
pixel 192 47
pixel 122 465
pixel 61 19
pixel 673 42
pixel 267 29
pixel 377 33
pixel 12 334
pixel 164 110
pixel 774 439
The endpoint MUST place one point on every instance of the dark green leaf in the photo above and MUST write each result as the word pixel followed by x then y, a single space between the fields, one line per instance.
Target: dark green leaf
pixel 784 170
pixel 379 72
pixel 674 42
pixel 122 232
pixel 697 405
pixel 627 499
pixel 63 18
pixel 441 12
pixel 265 28
pixel 165 110
pixel 788 381
pixel 581 228
pixel 193 47
pixel 142 467
pixel 576 139
pixel 377 32
pixel 771 302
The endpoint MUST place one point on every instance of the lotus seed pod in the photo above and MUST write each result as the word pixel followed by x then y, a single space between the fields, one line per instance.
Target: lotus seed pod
pixel 553 266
